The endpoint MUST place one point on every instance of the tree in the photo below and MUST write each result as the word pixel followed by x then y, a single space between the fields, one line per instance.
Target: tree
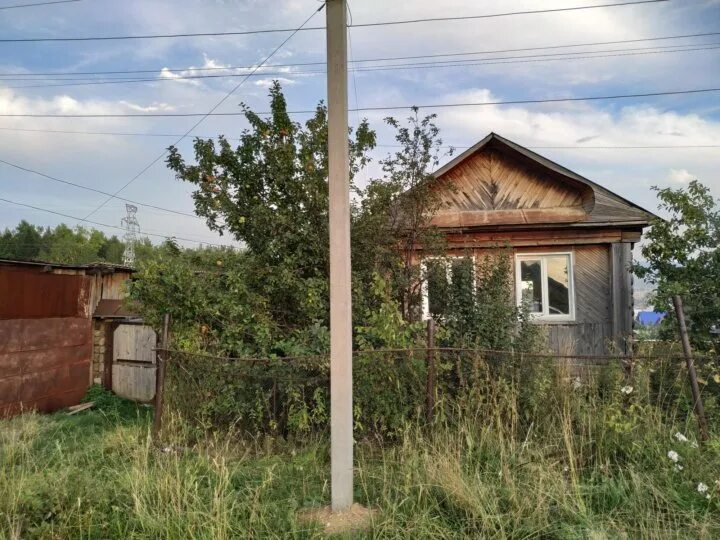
pixel 682 256
pixel 271 193
pixel 395 213
pixel 24 242
pixel 61 244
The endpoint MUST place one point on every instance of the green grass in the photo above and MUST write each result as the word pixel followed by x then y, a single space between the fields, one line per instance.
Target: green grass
pixel 575 470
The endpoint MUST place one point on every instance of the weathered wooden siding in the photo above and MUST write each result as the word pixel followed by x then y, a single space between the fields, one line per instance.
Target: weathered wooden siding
pixel 134 342
pixel 592 330
pixel 134 359
pixel 492 188
pixel 620 260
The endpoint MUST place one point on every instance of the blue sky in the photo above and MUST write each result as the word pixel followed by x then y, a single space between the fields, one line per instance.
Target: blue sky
pixel 107 162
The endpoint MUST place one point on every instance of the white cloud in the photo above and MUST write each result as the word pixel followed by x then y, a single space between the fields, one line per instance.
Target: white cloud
pixel 267 83
pixel 154 107
pixel 680 176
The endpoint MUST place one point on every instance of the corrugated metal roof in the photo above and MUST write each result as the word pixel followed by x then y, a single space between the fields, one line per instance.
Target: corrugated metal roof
pixel 89 266
pixel 113 309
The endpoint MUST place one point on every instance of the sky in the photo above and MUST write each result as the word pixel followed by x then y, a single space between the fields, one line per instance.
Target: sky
pixel 681 123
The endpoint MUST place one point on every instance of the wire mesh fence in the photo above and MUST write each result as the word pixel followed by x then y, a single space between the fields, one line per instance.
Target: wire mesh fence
pixel 291 395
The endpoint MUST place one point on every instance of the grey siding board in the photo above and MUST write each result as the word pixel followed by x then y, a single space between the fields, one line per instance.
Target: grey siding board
pixel 622 296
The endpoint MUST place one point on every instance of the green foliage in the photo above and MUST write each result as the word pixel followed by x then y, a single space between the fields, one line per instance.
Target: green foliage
pixel 210 296
pixel 271 194
pixel 585 464
pixel 682 256
pixel 60 244
pixel 481 310
pixel 392 217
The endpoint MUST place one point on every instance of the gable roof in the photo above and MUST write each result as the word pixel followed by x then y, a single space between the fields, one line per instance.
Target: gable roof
pixel 606 207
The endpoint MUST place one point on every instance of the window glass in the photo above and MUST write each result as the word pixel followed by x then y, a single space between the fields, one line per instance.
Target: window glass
pixel 558 283
pixel 531 284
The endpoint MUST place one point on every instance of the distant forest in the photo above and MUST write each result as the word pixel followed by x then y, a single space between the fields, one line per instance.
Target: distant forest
pixel 63 244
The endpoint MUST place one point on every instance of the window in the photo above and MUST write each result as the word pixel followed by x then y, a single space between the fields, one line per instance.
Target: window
pixel 544 283
pixel 445 278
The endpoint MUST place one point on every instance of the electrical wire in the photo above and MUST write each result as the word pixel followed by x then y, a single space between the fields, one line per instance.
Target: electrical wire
pixel 390 67
pixel 99 224
pixel 363 25
pixel 209 113
pixel 88 188
pixel 365 60
pixel 375 108
pixel 457 147
pixel 17 6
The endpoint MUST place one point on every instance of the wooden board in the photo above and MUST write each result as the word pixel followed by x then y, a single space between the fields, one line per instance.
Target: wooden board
pixel 134 381
pixel 134 342
pixel 490 180
pixel 622 295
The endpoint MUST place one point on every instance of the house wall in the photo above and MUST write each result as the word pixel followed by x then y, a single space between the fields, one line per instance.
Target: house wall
pixel 591 330
pixel 602 289
pixel 45 339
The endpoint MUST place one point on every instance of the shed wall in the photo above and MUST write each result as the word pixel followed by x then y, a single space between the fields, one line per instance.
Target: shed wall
pixel 45 339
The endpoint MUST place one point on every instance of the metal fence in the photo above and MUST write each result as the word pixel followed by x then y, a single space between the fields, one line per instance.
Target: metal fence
pixel 285 395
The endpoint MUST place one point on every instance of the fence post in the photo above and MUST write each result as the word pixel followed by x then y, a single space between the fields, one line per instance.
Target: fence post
pixel 430 381
pixel 697 400
pixel 160 377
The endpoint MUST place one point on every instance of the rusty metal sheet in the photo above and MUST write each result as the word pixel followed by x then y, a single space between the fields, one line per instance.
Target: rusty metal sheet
pixel 21 362
pixel 44 363
pixel 30 294
pixel 40 334
pixel 44 404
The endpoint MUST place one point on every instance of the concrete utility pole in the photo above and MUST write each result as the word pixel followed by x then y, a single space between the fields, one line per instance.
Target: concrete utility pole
pixel 341 419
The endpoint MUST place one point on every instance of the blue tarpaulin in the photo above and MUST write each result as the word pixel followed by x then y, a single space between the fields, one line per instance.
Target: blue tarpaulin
pixel 650 318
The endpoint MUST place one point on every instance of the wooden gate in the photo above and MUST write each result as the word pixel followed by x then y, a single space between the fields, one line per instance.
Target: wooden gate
pixel 134 362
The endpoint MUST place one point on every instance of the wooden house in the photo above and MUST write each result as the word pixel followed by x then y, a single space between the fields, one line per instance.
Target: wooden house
pixel 571 240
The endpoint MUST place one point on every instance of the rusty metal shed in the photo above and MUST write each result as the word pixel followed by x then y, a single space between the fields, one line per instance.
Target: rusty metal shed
pixel 46 333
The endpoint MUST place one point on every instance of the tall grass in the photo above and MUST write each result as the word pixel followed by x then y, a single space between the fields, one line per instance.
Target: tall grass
pixel 546 457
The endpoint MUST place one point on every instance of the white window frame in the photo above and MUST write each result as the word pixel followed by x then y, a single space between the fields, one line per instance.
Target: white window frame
pixel 545 316
pixel 448 269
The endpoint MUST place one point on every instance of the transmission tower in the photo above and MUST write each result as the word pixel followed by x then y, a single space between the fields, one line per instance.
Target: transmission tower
pixel 132 230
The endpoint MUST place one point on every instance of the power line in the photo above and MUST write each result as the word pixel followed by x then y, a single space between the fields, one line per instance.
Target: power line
pixel 391 67
pixel 88 188
pixel 365 60
pixel 363 25
pixel 458 147
pixel 579 147
pixel 99 224
pixel 377 108
pixel 39 4
pixel 209 113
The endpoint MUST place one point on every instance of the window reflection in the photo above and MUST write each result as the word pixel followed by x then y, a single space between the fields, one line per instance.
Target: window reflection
pixel 558 283
pixel 531 283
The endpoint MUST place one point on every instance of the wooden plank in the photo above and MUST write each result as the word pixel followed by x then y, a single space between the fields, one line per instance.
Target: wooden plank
pixel 471 218
pixel 592 284
pixel 134 381
pixel 134 342
pixel 491 180
pixel 74 409
pixel 621 295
